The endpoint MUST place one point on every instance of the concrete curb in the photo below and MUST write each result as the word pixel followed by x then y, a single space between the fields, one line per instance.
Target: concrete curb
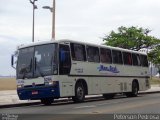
pixel 19 104
pixel 64 100
pixel 151 92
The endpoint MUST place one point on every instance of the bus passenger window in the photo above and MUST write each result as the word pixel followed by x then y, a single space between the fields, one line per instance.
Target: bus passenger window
pixel 144 60
pixel 105 55
pixel 117 57
pixel 78 52
pixel 93 54
pixel 136 60
pixel 127 58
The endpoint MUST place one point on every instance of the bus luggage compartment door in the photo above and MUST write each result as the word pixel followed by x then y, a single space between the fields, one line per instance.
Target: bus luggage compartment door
pixel 67 89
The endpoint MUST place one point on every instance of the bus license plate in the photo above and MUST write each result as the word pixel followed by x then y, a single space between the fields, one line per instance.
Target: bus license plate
pixel 34 92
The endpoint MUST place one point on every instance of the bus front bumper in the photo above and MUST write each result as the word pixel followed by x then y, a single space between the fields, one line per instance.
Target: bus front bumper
pixel 38 93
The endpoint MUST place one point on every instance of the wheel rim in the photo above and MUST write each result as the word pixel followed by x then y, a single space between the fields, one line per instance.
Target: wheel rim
pixel 135 89
pixel 80 92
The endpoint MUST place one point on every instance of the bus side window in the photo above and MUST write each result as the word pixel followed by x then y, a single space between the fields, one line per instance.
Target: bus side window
pixel 127 58
pixel 144 60
pixel 136 60
pixel 93 54
pixel 117 57
pixel 64 60
pixel 78 52
pixel 105 55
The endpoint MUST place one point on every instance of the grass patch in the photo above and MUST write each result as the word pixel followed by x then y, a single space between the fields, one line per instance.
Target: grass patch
pixel 7 84
pixel 155 80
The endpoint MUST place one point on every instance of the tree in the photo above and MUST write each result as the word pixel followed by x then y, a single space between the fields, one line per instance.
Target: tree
pixel 130 38
pixel 154 57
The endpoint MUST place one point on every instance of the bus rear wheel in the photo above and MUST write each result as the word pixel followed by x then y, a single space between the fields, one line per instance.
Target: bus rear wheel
pixel 79 93
pixel 134 92
pixel 47 101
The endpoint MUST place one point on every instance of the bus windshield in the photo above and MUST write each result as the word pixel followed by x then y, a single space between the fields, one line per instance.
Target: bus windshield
pixel 38 61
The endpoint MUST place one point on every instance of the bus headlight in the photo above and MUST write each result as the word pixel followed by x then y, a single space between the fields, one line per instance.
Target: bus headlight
pixel 51 83
pixel 20 86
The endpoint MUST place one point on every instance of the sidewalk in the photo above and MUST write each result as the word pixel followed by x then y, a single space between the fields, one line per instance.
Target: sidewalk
pixel 9 97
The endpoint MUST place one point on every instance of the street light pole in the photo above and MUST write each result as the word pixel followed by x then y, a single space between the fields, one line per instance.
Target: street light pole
pixel 53 19
pixel 52 9
pixel 34 7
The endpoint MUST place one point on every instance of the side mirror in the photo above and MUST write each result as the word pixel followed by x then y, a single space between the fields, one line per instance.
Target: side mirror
pixel 12 61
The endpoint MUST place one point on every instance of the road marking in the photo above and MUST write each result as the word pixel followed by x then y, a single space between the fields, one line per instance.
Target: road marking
pixel 110 103
pixel 102 104
pixel 81 107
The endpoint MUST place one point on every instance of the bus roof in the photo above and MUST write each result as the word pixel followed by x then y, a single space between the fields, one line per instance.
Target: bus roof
pixel 78 42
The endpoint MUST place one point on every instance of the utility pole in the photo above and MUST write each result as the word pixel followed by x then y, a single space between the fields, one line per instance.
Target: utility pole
pixel 34 7
pixel 52 9
pixel 53 19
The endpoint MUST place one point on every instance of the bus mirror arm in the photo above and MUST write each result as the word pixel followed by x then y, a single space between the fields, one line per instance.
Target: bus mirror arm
pixel 12 61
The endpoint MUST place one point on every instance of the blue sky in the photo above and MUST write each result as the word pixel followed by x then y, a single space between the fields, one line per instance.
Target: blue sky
pixel 82 20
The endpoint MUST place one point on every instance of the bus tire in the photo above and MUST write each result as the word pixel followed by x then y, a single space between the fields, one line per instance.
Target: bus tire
pixel 134 92
pixel 79 93
pixel 108 96
pixel 47 101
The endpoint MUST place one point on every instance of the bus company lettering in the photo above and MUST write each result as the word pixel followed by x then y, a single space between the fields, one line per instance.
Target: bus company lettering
pixel 108 68
pixel 79 70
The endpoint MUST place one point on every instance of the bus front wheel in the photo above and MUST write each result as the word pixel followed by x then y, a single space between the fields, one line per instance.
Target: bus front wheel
pixel 47 101
pixel 79 93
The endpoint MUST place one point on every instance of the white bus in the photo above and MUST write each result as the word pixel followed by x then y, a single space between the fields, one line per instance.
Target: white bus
pixel 66 68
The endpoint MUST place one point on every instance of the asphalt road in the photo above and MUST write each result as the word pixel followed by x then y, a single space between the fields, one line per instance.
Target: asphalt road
pixel 143 104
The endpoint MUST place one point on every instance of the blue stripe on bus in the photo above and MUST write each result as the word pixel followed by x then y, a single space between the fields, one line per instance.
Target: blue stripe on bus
pixel 45 92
